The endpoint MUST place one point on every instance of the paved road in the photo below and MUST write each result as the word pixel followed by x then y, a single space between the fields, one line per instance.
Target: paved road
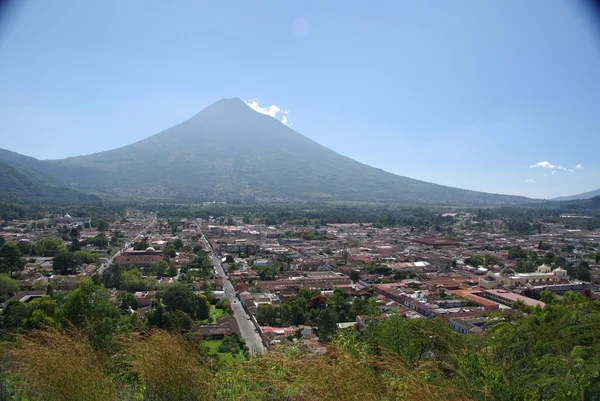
pixel 106 265
pixel 247 328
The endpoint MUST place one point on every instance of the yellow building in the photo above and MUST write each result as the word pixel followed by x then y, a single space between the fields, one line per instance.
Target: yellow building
pixel 507 277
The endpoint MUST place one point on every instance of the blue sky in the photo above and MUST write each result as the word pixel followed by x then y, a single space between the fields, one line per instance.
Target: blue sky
pixel 469 94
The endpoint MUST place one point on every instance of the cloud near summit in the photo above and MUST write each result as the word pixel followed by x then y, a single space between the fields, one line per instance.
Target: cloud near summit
pixel 273 111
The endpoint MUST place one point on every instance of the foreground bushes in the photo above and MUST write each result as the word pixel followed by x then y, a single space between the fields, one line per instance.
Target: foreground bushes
pixel 58 365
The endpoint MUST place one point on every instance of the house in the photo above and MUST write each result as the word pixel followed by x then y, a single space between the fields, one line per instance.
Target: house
pixel 467 325
pixel 226 325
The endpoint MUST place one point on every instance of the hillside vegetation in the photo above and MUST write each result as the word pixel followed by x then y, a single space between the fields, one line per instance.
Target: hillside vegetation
pixel 80 347
pixel 230 152
pixel 18 185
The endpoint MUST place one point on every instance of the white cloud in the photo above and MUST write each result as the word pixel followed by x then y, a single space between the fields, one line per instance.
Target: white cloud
pixel 273 111
pixel 553 172
pixel 548 165
pixel 530 181
pixel 579 166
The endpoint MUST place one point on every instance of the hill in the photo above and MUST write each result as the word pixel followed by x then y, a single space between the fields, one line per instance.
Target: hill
pixel 230 152
pixel 585 195
pixel 17 185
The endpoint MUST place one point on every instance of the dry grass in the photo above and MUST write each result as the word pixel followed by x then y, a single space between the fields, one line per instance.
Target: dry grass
pixel 60 366
pixel 164 366
pixel 169 367
pixel 335 376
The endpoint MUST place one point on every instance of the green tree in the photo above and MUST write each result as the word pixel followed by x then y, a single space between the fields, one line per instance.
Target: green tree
pixel 10 258
pixel 13 315
pixel 65 263
pixel 127 301
pixel 180 297
pixel 327 320
pixel 41 312
pixel 159 268
pixel 8 287
pixel 74 234
pixel 89 309
pixel 112 277
pixel 48 247
pixel 170 250
pixel 102 225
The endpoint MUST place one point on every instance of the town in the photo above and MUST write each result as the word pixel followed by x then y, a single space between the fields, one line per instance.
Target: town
pixel 245 286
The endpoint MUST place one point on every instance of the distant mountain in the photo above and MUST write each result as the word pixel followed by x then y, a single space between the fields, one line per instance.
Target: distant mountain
pixel 17 185
pixel 585 195
pixel 228 151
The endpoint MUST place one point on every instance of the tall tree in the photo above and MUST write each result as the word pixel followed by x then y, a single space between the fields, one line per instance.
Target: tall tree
pixel 64 263
pixel 10 258
pixel 102 225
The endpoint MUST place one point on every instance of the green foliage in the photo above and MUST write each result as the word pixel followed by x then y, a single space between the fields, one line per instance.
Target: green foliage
pixel 10 258
pixel 65 263
pixel 517 253
pixel 232 344
pixel 178 297
pixel 89 309
pixel 132 280
pixel 99 241
pixel 8 287
pixel 48 247
pixel 267 272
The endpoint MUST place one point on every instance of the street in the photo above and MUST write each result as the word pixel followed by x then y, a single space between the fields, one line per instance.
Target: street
pixel 105 266
pixel 247 328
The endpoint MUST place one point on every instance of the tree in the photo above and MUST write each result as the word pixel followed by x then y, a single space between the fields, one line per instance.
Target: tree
pixel 141 246
pixel 170 250
pixel 159 268
pixel 232 343
pixel 327 320
pixel 48 247
pixel 179 297
pixel 13 314
pixel 8 287
pixel 74 233
pixel 65 263
pixel 597 257
pixel 112 276
pixel 10 258
pixel 268 315
pixel 89 309
pixel 172 271
pixel 102 225
pixel 354 276
pixel 41 312
pixel 517 253
pixel 127 301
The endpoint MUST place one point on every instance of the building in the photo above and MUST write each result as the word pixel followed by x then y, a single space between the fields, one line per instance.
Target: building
pixel 506 297
pixel 467 325
pixel 508 277
pixel 139 258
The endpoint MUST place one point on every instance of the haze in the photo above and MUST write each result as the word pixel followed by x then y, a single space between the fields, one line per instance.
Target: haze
pixel 489 96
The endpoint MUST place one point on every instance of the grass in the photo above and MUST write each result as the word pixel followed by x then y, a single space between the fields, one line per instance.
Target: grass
pixel 215 315
pixel 155 365
pixel 213 346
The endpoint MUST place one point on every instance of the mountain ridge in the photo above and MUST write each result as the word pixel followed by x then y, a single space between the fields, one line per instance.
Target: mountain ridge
pixel 583 195
pixel 229 151
pixel 18 185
